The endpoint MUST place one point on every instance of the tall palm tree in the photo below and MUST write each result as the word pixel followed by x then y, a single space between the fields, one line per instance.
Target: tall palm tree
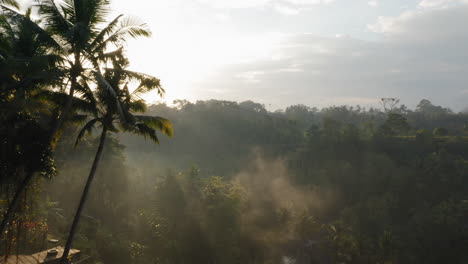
pixel 78 31
pixel 80 27
pixel 116 109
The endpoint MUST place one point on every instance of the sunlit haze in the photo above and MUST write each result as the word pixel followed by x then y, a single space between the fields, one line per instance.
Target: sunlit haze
pixel 290 131
pixel 313 52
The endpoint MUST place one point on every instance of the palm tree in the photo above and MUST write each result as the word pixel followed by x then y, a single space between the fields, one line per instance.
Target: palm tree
pixel 116 107
pixel 77 31
pixel 28 65
pixel 79 26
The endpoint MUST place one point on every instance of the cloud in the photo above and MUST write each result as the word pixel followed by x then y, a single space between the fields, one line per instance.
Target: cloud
pixel 250 76
pixel 222 17
pixel 373 3
pixel 260 3
pixel 234 4
pixel 309 2
pixel 286 10
pixel 429 26
pixel 390 24
pixel 440 3
pixel 422 55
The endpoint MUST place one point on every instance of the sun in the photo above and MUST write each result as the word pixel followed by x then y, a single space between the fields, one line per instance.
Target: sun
pixel 183 60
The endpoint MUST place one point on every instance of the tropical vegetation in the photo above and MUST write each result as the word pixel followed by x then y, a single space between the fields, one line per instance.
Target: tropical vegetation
pixel 236 183
pixel 52 76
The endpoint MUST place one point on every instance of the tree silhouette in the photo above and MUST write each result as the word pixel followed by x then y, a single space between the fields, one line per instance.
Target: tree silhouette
pixel 28 67
pixel 115 109
pixel 74 30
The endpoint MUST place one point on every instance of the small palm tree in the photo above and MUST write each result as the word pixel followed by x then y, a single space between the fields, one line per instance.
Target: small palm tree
pixel 115 110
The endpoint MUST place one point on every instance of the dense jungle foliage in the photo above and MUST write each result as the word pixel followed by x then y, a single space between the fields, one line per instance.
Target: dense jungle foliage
pixel 240 184
pixel 236 183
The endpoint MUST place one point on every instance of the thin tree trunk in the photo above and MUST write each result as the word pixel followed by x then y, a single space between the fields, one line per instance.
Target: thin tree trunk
pixel 84 196
pixel 15 202
pixel 68 104
pixel 61 119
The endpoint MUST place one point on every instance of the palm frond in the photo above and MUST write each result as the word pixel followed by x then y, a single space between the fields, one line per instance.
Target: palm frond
pixel 42 34
pixel 55 19
pixel 112 128
pixel 146 82
pixel 91 12
pixel 103 84
pixel 134 28
pixel 146 131
pixel 78 118
pixel 87 129
pixel 59 99
pixel 12 3
pixel 87 95
pixel 106 31
pixel 127 27
pixel 83 105
pixel 109 56
pixel 137 106
pixel 156 122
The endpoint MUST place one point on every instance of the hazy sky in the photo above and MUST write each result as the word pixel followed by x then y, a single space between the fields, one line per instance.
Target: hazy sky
pixel 313 52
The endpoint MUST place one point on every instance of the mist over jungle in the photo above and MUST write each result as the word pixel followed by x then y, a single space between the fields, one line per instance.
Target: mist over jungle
pixel 100 163
pixel 238 183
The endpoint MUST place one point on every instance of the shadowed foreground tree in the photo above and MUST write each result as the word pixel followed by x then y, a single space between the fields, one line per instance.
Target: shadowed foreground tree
pixel 74 30
pixel 28 67
pixel 115 107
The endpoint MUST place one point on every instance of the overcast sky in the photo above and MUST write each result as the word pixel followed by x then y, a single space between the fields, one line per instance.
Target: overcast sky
pixel 313 52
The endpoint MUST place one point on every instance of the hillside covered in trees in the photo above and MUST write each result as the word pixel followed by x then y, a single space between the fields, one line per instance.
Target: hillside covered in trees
pixel 240 184
pixel 87 164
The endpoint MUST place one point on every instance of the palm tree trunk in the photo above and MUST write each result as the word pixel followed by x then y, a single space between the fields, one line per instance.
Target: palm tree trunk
pixel 15 202
pixel 61 119
pixel 68 104
pixel 84 195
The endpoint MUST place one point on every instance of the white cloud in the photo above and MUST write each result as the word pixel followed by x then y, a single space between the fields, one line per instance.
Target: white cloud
pixel 259 3
pixel 423 55
pixel 310 2
pixel 234 3
pixel 439 3
pixel 222 17
pixel 373 3
pixel 436 17
pixel 286 10
pixel 434 3
pixel 389 24
pixel 251 76
pixel 430 26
